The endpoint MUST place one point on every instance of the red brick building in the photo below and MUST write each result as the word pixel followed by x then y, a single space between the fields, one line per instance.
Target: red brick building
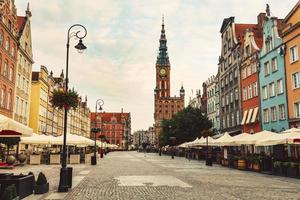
pixel 116 127
pixel 165 106
pixel 8 56
pixel 251 45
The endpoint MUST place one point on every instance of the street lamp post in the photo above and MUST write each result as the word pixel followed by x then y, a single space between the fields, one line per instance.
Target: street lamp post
pixel 65 177
pixel 99 103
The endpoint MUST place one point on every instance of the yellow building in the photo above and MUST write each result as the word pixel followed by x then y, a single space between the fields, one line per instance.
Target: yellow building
pixel 39 101
pixel 291 39
pixel 23 70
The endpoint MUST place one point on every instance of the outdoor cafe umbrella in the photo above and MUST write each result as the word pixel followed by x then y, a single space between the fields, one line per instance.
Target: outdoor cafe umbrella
pixel 290 136
pixel 222 141
pixel 251 139
pixel 37 139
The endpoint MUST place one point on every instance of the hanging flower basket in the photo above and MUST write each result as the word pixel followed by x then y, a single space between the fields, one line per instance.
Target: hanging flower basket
pixel 62 99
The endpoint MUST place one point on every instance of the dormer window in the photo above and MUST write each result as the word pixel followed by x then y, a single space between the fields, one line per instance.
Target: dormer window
pixel 247 50
pixel 268 44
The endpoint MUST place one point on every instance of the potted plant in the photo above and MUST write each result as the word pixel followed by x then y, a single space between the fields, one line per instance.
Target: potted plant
pixel 10 193
pixel 256 164
pixel 249 160
pixel 41 185
pixel 242 163
pixel 10 160
pixel 64 99
pixel 22 158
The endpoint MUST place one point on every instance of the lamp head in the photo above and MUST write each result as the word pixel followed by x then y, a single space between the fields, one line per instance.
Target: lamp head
pixel 80 46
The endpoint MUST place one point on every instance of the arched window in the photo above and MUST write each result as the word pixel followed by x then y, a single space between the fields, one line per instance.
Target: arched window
pixel 11 73
pixel 1 38
pixel 9 95
pixel 3 94
pixel 7 44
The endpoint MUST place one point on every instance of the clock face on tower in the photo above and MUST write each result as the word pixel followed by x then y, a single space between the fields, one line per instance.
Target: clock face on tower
pixel 163 72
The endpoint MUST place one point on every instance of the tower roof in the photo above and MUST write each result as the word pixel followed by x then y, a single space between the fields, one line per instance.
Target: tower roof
pixel 163 58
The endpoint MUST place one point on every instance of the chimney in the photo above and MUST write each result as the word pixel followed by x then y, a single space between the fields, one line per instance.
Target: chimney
pixel 260 20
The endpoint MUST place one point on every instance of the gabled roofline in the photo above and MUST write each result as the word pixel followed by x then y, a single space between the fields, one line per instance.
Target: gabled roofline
pixel 292 12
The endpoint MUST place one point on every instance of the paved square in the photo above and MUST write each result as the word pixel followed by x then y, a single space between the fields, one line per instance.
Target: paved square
pixel 151 181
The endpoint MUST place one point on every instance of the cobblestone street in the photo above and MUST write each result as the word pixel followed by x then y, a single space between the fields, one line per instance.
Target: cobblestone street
pixel 139 176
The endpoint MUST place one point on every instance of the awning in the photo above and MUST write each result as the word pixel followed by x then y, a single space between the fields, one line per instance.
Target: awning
pixel 254 116
pixel 37 139
pixel 249 116
pixel 244 117
pixel 12 128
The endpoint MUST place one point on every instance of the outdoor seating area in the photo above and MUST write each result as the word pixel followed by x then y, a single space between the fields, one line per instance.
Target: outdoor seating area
pixel 265 151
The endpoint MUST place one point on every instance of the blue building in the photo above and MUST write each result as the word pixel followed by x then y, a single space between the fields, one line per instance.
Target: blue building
pixel 273 100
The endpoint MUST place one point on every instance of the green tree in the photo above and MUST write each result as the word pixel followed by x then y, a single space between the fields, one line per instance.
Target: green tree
pixel 185 125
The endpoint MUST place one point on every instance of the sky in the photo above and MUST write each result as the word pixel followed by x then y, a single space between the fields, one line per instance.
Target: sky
pixel 122 45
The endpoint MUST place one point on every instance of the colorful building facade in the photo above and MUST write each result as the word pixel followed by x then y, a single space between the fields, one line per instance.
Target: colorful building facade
pixel 8 56
pixel 114 127
pixel 229 75
pixel 273 100
pixel 291 39
pixel 212 101
pixel 250 98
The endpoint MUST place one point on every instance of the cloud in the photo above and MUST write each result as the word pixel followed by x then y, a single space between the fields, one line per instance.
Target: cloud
pixel 122 41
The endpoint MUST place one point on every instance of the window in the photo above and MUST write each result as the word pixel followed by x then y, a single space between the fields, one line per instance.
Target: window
pixel 272 89
pixel 293 54
pixel 247 51
pixel 229 59
pixel 3 90
pixel 255 92
pixel 222 83
pixel 244 93
pixel 1 38
pixel 273 114
pixel 244 73
pixel 13 51
pixel 250 92
pixel 254 70
pixel 279 86
pixel 224 122
pixel 223 101
pixel 9 95
pixel 231 96
pixel 226 80
pixel 296 80
pixel 236 94
pixel 274 64
pixel 297 109
pixel 227 99
pixel 281 112
pixel 18 80
pixel 7 44
pixel 5 69
pixel 266 115
pixel 265 92
pixel 228 121
pixel 248 71
pixel 11 73
pixel 269 45
pixel 232 119
pixel 235 73
pixel 17 105
pixel 230 77
pixel 266 68
pixel 237 117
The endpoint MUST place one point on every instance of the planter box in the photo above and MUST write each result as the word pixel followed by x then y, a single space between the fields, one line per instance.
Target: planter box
pixel 292 172
pixel 256 167
pixel 41 189
pixel 35 159
pixel 24 184
pixel 241 164
pixel 55 159
pixel 74 159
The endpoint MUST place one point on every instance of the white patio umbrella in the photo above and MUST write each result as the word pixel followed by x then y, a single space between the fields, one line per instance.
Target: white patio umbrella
pixel 222 141
pixel 233 141
pixel 14 128
pixel 252 139
pixel 286 137
pixel 37 139
pixel 71 140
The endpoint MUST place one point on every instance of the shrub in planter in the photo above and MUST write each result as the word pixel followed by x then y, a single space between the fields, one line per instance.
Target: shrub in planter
pixel 22 158
pixel 256 163
pixel 10 193
pixel 10 160
pixel 41 186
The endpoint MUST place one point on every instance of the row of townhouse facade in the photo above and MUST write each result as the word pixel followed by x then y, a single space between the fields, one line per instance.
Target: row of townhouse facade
pixel 25 96
pixel 44 118
pixel 257 86
pixel 144 136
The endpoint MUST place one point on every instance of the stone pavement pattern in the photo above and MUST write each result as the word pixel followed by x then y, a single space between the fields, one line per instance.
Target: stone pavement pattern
pixel 139 176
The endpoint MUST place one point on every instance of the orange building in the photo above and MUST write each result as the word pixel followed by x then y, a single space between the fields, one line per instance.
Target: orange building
pixel 165 106
pixel 251 45
pixel 116 127
pixel 8 56
pixel 291 38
